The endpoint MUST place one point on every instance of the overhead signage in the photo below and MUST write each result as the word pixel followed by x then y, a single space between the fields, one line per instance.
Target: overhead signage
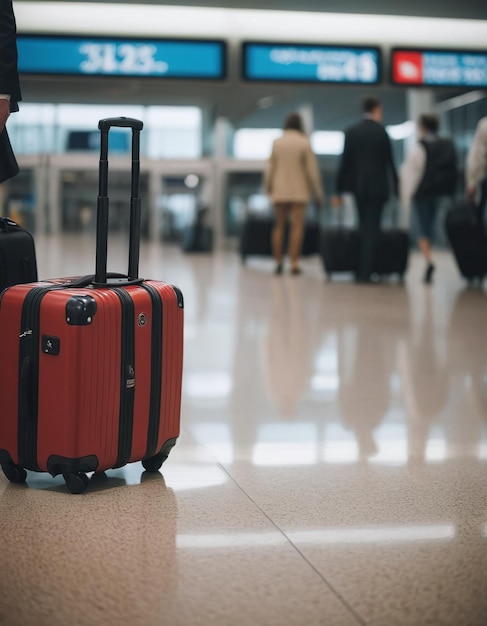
pixel 441 68
pixel 311 63
pixel 97 56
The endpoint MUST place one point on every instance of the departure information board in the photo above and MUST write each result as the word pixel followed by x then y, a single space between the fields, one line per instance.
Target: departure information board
pixel 311 63
pixel 441 68
pixel 97 56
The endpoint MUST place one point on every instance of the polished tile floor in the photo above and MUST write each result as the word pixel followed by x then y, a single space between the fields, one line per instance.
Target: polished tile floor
pixel 331 470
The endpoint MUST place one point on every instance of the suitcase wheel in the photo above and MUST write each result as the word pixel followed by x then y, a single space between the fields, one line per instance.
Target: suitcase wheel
pixel 154 463
pixel 76 483
pixel 14 473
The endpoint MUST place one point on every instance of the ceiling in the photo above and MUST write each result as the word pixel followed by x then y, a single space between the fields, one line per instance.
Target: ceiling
pixel 333 107
pixel 466 9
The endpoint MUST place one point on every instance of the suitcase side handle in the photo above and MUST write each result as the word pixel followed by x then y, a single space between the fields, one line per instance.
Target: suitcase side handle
pixel 7 224
pixel 103 202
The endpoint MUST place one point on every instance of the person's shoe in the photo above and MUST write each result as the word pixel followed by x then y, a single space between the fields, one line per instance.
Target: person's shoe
pixel 296 271
pixel 278 270
pixel 428 275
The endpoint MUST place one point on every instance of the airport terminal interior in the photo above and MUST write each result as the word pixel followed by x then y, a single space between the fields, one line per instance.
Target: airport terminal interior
pixel 332 462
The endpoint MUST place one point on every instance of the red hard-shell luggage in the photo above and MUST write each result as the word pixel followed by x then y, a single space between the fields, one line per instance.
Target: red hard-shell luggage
pixel 91 367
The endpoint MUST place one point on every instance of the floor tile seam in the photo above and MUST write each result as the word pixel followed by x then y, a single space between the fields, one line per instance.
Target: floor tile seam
pixel 326 582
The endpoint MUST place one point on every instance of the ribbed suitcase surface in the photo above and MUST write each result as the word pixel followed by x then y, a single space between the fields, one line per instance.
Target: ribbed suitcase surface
pixel 91 368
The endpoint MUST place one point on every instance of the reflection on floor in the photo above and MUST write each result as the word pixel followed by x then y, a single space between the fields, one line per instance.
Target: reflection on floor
pixel 332 466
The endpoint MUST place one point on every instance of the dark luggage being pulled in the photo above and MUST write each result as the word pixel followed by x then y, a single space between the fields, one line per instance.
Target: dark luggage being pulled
pixel 340 246
pixel 255 239
pixel 17 255
pixel 468 240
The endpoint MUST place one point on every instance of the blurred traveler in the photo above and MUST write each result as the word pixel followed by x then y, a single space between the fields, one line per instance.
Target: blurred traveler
pixel 476 173
pixel 428 174
pixel 292 177
pixel 367 171
pixel 9 86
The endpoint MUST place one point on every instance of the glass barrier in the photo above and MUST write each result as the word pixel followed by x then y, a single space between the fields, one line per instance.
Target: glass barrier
pixel 180 205
pixel 78 198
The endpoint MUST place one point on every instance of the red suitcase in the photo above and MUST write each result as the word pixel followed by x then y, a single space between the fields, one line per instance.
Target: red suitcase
pixel 91 368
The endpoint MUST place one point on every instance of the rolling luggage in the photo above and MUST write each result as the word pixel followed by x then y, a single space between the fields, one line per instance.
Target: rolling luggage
pixel 17 255
pixel 392 253
pixel 340 250
pixel 255 239
pixel 468 240
pixel 91 367
pixel 197 238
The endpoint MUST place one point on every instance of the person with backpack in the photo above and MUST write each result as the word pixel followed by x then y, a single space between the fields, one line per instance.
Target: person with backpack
pixel 428 173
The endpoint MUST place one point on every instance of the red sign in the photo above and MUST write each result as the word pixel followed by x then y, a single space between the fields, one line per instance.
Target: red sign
pixel 407 67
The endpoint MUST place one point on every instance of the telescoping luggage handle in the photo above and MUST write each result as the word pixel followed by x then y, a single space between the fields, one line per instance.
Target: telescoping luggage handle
pixel 101 277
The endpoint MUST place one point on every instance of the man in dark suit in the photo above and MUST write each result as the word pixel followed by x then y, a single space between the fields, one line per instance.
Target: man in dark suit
pixel 9 86
pixel 367 171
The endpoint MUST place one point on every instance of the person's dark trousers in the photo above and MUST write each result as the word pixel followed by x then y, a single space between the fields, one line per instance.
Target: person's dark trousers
pixel 369 215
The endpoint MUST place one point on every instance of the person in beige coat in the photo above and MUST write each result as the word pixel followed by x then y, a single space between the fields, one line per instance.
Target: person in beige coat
pixel 292 178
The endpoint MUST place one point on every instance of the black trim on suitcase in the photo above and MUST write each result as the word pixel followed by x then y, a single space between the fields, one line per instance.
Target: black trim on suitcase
pixel 167 447
pixel 28 393
pixel 156 370
pixel 179 296
pixel 63 465
pixel 127 378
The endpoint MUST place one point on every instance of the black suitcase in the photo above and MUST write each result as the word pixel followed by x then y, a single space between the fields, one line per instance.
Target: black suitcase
pixel 197 238
pixel 340 250
pixel 255 239
pixel 392 253
pixel 17 255
pixel 468 240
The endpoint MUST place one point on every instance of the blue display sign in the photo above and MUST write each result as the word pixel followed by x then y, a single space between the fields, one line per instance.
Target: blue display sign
pixel 97 56
pixel 311 63
pixel 441 68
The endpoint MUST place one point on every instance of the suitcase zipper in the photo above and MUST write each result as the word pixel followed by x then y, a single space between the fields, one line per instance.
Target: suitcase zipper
pixel 127 378
pixel 156 370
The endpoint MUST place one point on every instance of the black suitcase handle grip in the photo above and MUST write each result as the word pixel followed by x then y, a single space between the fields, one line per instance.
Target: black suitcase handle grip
pixel 102 206
pixel 7 224
pixel 120 122
pixel 112 280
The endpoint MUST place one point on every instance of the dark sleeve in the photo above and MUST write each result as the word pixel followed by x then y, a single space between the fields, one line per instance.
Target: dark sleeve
pixel 344 167
pixel 392 167
pixel 9 77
